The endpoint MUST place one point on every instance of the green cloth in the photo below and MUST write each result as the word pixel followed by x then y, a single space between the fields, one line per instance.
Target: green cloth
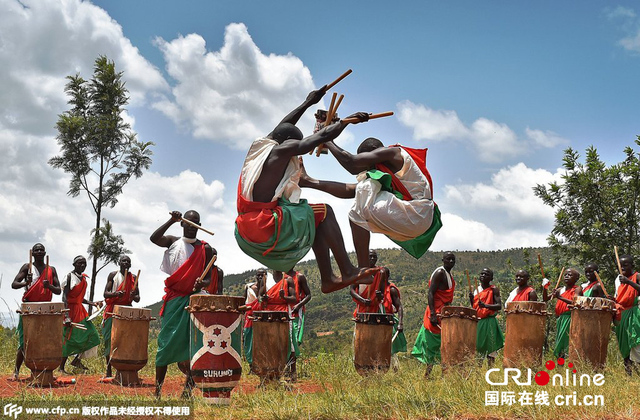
pixel 399 345
pixel 293 340
pixel 173 340
pixel 106 335
pixel 628 330
pixel 427 346
pixel 417 246
pixel 298 327
pixel 296 237
pixel 80 340
pixel 563 324
pixel 247 344
pixel 588 293
pixel 20 333
pixel 489 337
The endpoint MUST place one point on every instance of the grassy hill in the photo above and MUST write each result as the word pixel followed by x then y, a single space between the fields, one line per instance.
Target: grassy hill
pixel 333 311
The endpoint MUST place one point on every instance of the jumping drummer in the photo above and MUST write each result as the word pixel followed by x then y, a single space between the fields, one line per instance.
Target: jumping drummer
pixel 118 291
pixel 565 295
pixel 381 296
pixel 628 319
pixel 41 290
pixel 523 292
pixel 440 293
pixel 184 261
pixel 77 340
pixel 486 301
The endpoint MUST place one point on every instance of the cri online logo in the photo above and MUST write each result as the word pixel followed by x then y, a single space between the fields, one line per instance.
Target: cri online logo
pixel 543 378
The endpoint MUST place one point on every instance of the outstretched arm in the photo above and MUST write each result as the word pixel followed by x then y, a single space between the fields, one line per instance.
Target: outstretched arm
pixel 336 189
pixel 366 160
pixel 312 98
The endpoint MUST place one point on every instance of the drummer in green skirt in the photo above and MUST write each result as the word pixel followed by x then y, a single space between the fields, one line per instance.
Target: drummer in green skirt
pixel 592 287
pixel 565 299
pixel 486 301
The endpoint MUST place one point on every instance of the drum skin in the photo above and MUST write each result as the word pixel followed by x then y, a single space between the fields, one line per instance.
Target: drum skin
pixel 42 327
pixel 458 336
pixel 372 343
pixel 129 342
pixel 270 343
pixel 215 345
pixel 589 333
pixel 525 334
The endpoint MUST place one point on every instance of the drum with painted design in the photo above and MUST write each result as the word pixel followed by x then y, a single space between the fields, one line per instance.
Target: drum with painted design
pixel 458 338
pixel 372 343
pixel 524 337
pixel 215 344
pixel 590 328
pixel 42 328
pixel 129 340
pixel 270 343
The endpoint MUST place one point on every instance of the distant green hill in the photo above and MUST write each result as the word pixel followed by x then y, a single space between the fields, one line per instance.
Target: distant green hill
pixel 333 311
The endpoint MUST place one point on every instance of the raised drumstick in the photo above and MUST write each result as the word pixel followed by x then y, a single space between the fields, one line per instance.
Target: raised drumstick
pixel 541 267
pixel 371 117
pixel 335 82
pixel 330 114
pixel 475 280
pixel 559 278
pixel 30 263
pixel 602 285
pixel 135 283
pixel 195 225
pixel 206 270
pixel 615 249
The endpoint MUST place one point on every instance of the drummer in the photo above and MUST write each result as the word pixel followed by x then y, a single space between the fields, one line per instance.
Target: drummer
pixel 118 291
pixel 628 319
pixel 251 293
pixel 78 341
pixel 184 261
pixel 217 276
pixel 303 296
pixel 566 296
pixel 523 292
pixel 486 301
pixel 440 293
pixel 592 287
pixel 41 290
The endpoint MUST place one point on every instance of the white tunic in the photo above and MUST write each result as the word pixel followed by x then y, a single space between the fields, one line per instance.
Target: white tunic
pixel 176 255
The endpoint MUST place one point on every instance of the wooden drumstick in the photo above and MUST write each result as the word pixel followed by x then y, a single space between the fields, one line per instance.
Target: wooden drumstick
pixel 339 79
pixel 475 280
pixel 615 249
pixel 334 110
pixel 46 268
pixel 195 225
pixel 468 279
pixel 135 283
pixel 30 263
pixel 206 270
pixel 559 278
pixel 333 101
pixel 371 117
pixel 541 267
pixel 126 272
pixel 602 285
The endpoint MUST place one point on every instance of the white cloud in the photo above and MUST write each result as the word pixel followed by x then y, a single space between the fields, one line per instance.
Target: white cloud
pixel 628 22
pixel 491 141
pixel 44 41
pixel 234 95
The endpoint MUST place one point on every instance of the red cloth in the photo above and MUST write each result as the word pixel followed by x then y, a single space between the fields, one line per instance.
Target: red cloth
pixel 440 299
pixel 299 294
pixel 213 286
pixel 589 286
pixel 182 281
pixel 125 300
pixel 562 307
pixel 256 222
pixel 523 296
pixel 387 302
pixel 253 306
pixel 77 312
pixel 419 156
pixel 627 294
pixel 274 301
pixel 370 293
pixel 37 292
pixel 486 296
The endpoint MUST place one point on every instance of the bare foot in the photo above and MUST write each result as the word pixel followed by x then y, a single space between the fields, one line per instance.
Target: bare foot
pixel 14 378
pixel 354 276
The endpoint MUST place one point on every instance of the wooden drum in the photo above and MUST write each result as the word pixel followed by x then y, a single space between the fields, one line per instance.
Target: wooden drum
pixel 270 343
pixel 524 338
pixel 590 328
pixel 42 328
pixel 459 333
pixel 129 340
pixel 372 343
pixel 215 345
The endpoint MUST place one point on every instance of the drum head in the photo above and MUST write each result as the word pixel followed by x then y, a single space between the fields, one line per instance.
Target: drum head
pixel 374 318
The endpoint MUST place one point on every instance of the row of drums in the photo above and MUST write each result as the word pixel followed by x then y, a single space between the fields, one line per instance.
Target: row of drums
pixel 525 333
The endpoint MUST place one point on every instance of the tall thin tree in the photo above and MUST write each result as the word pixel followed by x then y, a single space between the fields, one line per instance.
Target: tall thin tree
pixel 100 152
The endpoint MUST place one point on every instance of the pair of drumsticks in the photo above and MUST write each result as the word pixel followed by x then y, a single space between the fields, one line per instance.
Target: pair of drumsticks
pixel 562 273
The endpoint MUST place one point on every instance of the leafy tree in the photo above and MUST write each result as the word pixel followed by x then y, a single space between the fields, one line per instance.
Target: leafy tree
pixel 596 208
pixel 100 152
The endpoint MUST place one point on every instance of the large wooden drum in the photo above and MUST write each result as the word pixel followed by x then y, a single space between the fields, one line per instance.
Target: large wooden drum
pixel 215 345
pixel 590 328
pixel 459 333
pixel 270 343
pixel 525 333
pixel 129 340
pixel 372 343
pixel 42 328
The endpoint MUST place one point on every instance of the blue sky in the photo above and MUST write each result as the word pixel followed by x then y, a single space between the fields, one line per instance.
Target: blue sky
pixel 495 90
